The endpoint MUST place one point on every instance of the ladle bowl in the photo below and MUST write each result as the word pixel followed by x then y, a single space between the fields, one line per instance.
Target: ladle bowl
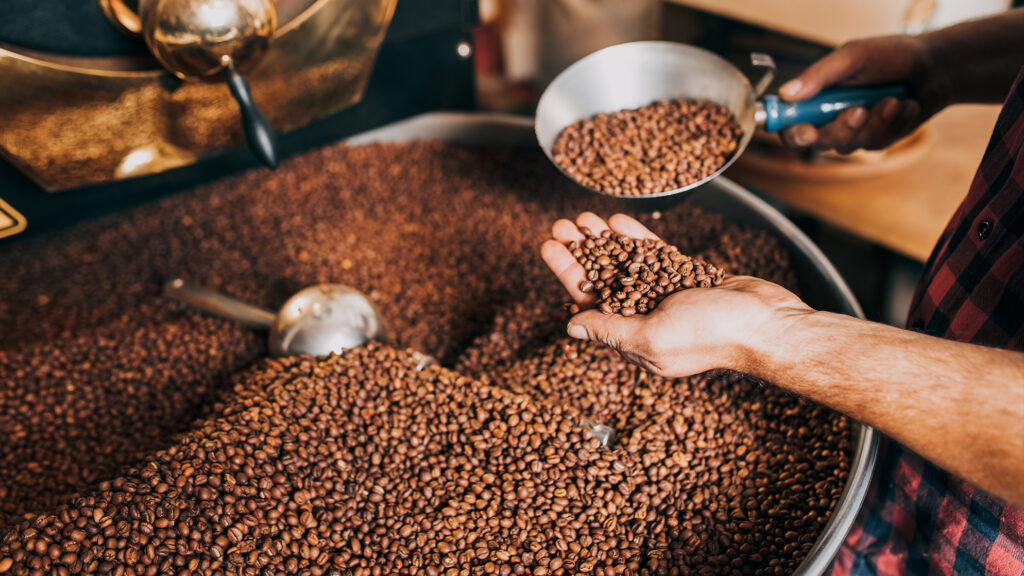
pixel 317 320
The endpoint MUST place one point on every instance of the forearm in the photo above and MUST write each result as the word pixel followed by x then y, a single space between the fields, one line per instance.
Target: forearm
pixel 978 59
pixel 959 405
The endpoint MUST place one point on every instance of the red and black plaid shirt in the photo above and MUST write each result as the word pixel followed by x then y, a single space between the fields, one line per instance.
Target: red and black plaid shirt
pixel 920 519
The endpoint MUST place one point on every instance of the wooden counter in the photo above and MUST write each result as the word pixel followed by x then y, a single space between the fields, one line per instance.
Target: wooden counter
pixel 833 22
pixel 905 210
pixel 828 23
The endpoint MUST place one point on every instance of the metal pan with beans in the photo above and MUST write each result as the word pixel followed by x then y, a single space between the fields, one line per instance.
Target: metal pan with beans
pixel 655 119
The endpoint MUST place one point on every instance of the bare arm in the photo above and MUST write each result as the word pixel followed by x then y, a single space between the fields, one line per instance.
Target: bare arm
pixel 959 405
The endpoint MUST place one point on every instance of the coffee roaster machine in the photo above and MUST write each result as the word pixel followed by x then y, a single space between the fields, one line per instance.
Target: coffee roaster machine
pixel 93 119
pixel 109 103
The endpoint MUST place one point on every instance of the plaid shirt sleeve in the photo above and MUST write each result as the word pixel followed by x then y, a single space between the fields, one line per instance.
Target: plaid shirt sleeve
pixel 919 519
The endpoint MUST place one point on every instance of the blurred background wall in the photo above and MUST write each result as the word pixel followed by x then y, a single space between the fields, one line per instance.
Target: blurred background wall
pixel 523 44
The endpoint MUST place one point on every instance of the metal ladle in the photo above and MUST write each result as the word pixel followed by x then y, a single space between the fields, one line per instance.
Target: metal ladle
pixel 317 320
pixel 627 76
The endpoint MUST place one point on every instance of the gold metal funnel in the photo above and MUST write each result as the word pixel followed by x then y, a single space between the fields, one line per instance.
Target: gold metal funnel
pixel 76 121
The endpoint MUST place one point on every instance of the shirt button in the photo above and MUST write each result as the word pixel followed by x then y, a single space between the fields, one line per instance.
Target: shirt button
pixel 984 229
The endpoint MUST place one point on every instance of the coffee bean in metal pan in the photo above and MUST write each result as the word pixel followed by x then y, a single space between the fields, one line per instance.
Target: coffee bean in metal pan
pixel 656 148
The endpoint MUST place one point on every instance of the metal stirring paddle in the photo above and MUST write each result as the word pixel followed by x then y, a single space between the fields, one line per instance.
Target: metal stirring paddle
pixel 317 320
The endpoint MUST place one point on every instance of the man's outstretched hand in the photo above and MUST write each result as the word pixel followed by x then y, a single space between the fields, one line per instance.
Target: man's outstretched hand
pixel 920 390
pixel 691 331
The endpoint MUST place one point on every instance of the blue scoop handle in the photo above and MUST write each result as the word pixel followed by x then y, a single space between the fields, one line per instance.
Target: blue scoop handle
pixel 825 106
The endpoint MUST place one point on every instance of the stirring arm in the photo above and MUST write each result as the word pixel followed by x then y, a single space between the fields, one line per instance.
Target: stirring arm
pixel 258 130
pixel 219 304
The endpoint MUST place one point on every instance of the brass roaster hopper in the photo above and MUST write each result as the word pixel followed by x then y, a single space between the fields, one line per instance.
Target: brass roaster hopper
pixel 74 121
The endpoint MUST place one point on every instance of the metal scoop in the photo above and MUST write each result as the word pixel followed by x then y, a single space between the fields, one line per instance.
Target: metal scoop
pixel 317 320
pixel 635 74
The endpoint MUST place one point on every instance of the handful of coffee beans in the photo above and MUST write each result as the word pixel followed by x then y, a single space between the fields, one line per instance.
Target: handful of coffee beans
pixel 632 275
pixel 653 149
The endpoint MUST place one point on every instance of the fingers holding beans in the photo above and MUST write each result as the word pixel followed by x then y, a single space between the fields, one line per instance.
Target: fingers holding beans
pixel 590 223
pixel 630 275
pixel 566 231
pixel 568 271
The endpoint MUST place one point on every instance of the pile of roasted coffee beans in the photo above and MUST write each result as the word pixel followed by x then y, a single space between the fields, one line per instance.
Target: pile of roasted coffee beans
pixel 649 150
pixel 632 275
pixel 72 412
pixel 363 462
pixel 140 437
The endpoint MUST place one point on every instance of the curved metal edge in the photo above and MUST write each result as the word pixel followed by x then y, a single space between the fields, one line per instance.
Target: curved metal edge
pixel 795 235
pixel 495 128
pixel 570 70
pixel 865 438
pixel 300 18
pixel 103 66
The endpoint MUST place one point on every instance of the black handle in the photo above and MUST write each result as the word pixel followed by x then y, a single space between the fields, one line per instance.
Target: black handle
pixel 258 131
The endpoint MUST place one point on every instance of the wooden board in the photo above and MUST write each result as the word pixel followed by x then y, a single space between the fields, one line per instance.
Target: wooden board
pixel 906 209
pixel 767 156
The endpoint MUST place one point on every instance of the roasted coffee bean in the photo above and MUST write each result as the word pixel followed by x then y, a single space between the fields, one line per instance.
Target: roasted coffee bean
pixel 662 265
pixel 140 437
pixel 652 149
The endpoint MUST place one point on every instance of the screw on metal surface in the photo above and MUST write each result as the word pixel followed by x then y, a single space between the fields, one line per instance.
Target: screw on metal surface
pixel 604 434
pixel 424 361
